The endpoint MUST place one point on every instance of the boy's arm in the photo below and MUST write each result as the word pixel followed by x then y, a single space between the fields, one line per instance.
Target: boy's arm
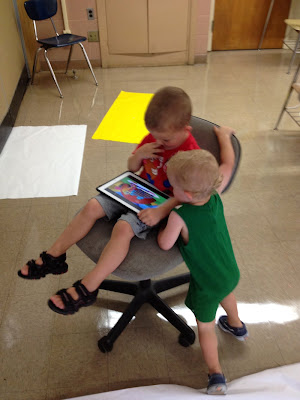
pixel 227 156
pixel 148 150
pixel 167 237
pixel 152 216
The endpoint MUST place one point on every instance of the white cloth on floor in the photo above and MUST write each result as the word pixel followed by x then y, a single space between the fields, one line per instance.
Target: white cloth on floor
pixel 273 384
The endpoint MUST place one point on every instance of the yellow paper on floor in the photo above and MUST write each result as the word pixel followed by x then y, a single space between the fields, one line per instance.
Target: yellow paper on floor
pixel 124 121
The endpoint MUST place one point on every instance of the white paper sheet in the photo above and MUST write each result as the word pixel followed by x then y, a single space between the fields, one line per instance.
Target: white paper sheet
pixel 282 383
pixel 42 161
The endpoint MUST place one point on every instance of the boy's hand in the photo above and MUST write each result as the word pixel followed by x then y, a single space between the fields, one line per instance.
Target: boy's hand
pixel 227 156
pixel 151 216
pixel 149 150
pixel 223 130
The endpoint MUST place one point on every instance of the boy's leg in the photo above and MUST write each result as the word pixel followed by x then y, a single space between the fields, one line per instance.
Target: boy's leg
pixel 111 257
pixel 209 346
pixel 232 323
pixel 76 230
pixel 230 306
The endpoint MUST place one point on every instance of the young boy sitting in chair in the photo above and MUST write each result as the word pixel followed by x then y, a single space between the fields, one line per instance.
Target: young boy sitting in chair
pixel 200 228
pixel 167 118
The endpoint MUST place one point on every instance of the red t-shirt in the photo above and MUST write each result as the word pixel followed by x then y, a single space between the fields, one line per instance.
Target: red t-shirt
pixel 154 169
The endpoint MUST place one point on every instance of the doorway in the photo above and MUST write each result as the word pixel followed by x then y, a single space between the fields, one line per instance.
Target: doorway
pixel 239 24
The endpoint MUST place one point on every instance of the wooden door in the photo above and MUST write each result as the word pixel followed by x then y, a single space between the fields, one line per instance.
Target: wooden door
pixel 28 34
pixel 239 24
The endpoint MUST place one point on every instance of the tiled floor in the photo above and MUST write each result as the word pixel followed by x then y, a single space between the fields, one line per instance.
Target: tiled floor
pixel 47 356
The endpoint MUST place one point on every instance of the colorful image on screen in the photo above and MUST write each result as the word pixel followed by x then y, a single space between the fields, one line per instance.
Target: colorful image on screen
pixel 135 193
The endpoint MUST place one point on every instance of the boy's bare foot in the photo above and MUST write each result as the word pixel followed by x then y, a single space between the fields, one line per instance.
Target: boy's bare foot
pixel 44 265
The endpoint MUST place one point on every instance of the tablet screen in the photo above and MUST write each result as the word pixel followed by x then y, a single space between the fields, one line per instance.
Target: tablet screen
pixel 134 192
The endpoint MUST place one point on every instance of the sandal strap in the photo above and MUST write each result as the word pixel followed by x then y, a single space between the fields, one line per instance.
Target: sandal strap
pixel 83 293
pixel 34 270
pixel 67 299
pixel 51 260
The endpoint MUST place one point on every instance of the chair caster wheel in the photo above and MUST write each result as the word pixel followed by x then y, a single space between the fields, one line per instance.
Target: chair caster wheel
pixel 104 345
pixel 186 341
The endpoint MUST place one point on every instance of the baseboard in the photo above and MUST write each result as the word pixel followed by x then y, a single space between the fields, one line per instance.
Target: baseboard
pixel 200 58
pixel 11 116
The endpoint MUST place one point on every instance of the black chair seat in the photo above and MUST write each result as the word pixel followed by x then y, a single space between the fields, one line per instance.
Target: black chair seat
pixel 66 39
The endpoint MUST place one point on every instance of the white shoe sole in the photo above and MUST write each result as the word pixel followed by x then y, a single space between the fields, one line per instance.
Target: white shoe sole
pixel 218 389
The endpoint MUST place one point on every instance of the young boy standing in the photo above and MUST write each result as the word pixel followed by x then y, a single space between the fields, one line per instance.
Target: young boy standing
pixel 200 227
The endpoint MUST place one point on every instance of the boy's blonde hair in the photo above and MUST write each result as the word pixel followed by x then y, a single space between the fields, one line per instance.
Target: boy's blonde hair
pixel 170 109
pixel 195 171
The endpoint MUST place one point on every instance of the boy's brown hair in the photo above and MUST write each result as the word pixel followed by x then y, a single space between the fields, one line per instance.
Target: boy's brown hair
pixel 170 109
pixel 195 171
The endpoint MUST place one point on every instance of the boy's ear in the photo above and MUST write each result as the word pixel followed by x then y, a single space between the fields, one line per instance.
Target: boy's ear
pixel 188 195
pixel 188 128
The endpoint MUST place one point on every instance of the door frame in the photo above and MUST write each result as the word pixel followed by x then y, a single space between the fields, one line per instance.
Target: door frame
pixel 211 21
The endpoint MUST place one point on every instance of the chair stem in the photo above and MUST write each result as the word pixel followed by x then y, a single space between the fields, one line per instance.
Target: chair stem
pixel 34 65
pixel 52 73
pixel 88 62
pixel 69 58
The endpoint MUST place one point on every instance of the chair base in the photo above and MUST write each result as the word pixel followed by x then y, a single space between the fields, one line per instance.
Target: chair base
pixel 146 292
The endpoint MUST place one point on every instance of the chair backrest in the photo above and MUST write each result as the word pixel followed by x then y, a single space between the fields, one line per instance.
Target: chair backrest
pixel 40 9
pixel 203 132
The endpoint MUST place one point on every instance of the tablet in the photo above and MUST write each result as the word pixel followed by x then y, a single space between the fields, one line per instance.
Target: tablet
pixel 133 191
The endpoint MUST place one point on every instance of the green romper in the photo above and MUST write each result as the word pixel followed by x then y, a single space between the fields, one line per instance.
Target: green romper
pixel 209 257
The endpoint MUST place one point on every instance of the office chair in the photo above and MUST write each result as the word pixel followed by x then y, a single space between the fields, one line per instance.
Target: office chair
pixel 38 10
pixel 146 260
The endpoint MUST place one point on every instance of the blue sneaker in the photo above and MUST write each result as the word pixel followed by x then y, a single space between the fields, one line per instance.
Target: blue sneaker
pixel 239 333
pixel 216 384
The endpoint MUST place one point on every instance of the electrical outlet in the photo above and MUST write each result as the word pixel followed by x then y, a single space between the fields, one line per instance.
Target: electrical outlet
pixel 93 36
pixel 90 13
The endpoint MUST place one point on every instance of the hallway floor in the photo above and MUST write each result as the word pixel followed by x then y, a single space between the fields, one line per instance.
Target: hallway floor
pixel 45 356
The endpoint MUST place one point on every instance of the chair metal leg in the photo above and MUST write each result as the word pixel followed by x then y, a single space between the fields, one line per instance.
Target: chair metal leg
pixel 294 53
pixel 169 283
pixel 34 65
pixel 52 73
pixel 69 58
pixel 88 62
pixel 106 343
pixel 295 78
pixel 283 107
pixel 172 317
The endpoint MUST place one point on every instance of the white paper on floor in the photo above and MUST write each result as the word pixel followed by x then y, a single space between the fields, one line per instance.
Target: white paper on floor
pixel 42 161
